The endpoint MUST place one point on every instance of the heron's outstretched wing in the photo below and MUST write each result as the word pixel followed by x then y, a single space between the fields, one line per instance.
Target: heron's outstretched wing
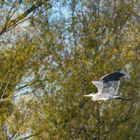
pixel 111 83
pixel 111 87
pixel 99 85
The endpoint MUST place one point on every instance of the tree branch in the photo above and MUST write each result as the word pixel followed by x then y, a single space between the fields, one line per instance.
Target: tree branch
pixel 32 135
pixel 14 22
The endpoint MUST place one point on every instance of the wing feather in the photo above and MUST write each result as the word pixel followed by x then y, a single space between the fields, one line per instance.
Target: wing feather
pixel 111 83
pixel 111 87
pixel 99 85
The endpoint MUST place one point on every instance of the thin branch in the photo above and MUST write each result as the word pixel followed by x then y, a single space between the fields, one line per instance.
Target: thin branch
pixel 98 121
pixel 38 133
pixel 29 84
pixel 6 76
pixel 6 86
pixel 32 135
pixel 15 21
pixel 8 17
pixel 22 121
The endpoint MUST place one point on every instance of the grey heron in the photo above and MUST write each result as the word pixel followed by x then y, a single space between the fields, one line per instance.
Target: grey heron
pixel 108 87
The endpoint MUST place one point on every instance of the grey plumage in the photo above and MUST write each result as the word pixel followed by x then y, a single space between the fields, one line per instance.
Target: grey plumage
pixel 108 87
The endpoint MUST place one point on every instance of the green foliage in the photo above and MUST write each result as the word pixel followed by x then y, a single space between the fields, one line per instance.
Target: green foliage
pixel 53 61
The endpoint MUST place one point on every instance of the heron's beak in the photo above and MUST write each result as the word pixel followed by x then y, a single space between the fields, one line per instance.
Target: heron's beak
pixel 89 95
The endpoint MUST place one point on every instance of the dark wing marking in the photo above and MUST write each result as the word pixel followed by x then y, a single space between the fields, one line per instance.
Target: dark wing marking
pixel 112 77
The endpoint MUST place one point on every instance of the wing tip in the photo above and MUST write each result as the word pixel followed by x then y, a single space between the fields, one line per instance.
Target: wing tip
pixel 122 73
pixel 113 76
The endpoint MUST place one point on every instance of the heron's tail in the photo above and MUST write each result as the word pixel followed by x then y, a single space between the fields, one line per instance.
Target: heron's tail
pixel 127 99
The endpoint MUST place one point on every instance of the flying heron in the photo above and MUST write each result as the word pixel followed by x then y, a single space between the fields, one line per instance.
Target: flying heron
pixel 108 87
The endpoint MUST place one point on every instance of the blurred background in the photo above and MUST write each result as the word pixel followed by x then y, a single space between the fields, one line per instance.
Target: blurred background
pixel 50 51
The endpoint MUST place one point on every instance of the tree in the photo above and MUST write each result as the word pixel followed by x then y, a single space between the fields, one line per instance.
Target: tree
pixel 51 62
pixel 103 32
pixel 17 63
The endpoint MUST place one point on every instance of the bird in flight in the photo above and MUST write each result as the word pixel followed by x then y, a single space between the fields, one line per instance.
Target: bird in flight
pixel 108 87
